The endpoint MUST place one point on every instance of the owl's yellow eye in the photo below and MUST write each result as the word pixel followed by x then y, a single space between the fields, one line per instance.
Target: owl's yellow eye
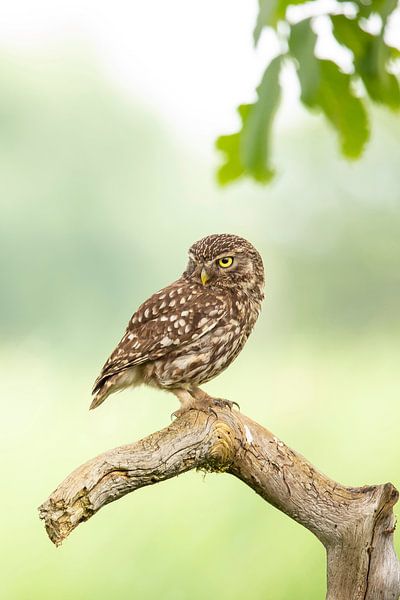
pixel 225 262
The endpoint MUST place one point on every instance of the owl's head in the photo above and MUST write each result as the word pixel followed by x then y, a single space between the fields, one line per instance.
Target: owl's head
pixel 226 261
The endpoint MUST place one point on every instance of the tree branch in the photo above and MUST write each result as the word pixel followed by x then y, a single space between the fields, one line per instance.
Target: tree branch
pixel 355 525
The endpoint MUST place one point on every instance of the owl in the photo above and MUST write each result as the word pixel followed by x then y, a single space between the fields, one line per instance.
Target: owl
pixel 190 331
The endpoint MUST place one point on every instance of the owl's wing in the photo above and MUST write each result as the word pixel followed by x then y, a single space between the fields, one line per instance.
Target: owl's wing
pixel 175 316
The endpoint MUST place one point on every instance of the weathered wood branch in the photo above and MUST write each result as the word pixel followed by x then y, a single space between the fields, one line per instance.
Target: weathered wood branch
pixel 355 525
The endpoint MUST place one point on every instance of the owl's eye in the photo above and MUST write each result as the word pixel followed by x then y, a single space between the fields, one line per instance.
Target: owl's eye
pixel 225 262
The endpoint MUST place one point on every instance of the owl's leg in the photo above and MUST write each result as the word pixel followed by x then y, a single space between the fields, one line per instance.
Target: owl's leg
pixel 190 401
pixel 220 402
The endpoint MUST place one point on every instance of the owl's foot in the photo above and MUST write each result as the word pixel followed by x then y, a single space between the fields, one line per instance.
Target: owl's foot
pixel 221 403
pixel 201 402
pixel 204 407
pixel 202 396
pixel 196 399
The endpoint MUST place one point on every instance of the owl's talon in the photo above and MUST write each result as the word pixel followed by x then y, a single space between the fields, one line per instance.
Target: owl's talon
pixel 212 411
pixel 221 403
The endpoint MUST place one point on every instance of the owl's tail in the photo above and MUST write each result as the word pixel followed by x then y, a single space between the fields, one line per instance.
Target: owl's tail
pixel 101 389
pixel 109 383
pixel 97 400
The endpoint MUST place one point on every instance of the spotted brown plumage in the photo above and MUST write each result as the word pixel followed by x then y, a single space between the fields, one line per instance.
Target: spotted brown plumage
pixel 190 331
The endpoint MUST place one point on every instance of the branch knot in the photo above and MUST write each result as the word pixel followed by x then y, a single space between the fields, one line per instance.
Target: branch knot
pixel 222 450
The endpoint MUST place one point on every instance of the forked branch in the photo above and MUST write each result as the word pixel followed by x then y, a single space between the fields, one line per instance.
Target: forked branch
pixel 355 525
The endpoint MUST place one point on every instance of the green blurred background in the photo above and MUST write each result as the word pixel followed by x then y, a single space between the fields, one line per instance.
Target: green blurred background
pixel 99 203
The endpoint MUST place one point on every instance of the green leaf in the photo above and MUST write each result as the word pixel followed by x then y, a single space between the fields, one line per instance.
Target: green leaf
pixel 348 33
pixel 394 53
pixel 326 88
pixel 345 111
pixel 384 8
pixel 302 42
pixel 247 151
pixel 383 87
pixel 270 12
pixel 371 59
pixel 264 17
pixel 230 145
pixel 254 148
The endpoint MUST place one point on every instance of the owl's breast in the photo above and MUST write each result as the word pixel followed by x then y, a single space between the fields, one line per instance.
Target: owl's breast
pixel 228 340
pixel 203 359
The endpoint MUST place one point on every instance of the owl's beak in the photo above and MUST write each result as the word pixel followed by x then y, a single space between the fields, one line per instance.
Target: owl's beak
pixel 204 276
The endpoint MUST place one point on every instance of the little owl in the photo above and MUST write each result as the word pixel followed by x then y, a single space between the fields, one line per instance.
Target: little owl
pixel 190 331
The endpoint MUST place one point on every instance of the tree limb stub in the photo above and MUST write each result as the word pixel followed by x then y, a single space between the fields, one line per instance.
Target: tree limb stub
pixel 355 525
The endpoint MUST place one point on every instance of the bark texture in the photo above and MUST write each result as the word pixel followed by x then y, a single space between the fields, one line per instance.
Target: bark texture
pixel 355 525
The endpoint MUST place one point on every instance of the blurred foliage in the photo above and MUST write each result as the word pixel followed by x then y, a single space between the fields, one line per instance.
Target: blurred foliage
pixel 341 97
pixel 99 203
